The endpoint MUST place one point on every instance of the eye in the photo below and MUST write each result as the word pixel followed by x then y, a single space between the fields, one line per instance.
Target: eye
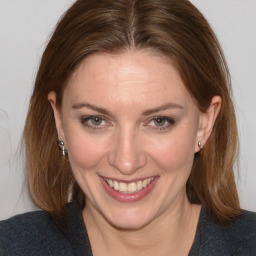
pixel 160 122
pixel 94 122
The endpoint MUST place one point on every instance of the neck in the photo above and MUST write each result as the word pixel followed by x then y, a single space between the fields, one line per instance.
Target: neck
pixel 172 233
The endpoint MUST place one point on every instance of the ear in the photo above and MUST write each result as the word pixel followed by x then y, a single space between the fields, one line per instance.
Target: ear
pixel 57 115
pixel 206 122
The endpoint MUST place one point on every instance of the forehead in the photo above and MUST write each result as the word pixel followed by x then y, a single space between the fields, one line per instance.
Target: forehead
pixel 141 77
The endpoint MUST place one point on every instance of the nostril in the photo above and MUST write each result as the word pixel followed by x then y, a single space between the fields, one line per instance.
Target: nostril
pixel 127 164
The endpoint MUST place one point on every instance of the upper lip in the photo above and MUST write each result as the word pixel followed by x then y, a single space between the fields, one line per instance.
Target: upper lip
pixel 129 181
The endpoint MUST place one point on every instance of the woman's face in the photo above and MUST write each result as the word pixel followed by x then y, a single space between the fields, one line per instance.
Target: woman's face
pixel 131 130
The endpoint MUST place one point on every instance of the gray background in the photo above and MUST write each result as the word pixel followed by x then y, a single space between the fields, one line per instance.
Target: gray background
pixel 25 26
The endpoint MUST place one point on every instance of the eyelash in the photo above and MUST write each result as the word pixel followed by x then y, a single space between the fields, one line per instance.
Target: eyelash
pixel 86 119
pixel 168 122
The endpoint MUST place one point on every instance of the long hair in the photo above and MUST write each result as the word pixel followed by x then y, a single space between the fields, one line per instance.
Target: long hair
pixel 174 28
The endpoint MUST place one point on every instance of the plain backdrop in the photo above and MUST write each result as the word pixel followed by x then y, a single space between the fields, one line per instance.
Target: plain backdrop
pixel 25 26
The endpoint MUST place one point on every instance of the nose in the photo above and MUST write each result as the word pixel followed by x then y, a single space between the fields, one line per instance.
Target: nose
pixel 127 154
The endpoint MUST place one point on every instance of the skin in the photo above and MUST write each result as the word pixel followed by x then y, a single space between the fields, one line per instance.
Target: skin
pixel 128 144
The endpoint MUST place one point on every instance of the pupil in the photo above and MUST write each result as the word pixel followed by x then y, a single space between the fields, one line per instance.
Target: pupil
pixel 159 121
pixel 96 121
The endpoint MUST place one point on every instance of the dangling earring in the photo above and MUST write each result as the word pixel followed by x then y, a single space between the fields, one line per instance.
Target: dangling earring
pixel 62 147
pixel 200 145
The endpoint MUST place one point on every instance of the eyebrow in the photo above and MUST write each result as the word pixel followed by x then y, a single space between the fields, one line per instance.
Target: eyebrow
pixel 145 113
pixel 160 108
pixel 92 107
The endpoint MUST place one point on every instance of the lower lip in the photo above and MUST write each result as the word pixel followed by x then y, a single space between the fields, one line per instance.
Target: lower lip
pixel 122 197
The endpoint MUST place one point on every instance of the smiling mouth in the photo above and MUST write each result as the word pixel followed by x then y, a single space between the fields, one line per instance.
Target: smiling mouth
pixel 129 188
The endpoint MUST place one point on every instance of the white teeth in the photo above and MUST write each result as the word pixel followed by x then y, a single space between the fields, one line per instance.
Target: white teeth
pixel 145 183
pixel 139 185
pixel 132 187
pixel 111 183
pixel 116 185
pixel 129 187
pixel 122 187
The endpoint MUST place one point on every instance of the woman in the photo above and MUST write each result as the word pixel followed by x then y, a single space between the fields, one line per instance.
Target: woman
pixel 131 138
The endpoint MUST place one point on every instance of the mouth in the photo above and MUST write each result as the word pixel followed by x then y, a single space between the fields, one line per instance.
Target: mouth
pixel 129 191
pixel 129 187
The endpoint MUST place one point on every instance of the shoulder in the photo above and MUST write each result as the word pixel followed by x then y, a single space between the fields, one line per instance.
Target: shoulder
pixel 33 233
pixel 241 234
pixel 33 219
pixel 237 238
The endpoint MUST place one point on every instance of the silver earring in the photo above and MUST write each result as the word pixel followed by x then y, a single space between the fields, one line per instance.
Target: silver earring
pixel 200 145
pixel 62 147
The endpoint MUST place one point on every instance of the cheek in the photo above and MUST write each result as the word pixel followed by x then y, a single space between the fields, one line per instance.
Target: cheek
pixel 173 153
pixel 85 152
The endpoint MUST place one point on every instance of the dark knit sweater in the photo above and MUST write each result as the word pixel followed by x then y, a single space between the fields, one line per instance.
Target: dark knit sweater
pixel 37 234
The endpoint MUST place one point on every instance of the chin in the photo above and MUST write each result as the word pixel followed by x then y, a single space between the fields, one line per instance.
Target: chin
pixel 130 224
pixel 129 219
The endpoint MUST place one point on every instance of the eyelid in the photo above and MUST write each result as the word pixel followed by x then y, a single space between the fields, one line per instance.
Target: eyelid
pixel 86 118
pixel 170 121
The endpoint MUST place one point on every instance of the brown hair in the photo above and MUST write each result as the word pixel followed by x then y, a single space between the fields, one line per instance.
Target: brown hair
pixel 174 28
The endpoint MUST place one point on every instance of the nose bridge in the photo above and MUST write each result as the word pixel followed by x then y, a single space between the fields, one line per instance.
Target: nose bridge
pixel 127 153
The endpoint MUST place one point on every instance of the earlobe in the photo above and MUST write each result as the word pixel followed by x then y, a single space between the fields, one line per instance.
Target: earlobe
pixel 206 122
pixel 57 116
